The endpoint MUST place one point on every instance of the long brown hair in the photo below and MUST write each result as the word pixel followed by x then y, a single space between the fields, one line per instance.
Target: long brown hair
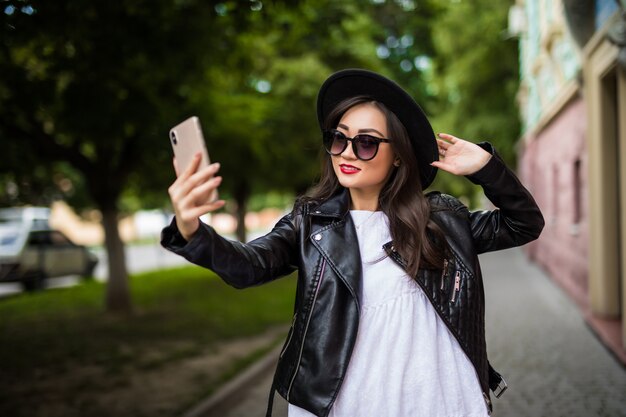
pixel 415 236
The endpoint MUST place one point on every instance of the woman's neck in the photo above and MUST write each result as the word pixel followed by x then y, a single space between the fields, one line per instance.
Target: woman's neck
pixel 361 200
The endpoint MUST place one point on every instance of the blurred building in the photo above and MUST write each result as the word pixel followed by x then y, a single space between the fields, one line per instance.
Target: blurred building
pixel 572 100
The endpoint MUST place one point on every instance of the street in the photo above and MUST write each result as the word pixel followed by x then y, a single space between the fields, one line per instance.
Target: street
pixel 537 340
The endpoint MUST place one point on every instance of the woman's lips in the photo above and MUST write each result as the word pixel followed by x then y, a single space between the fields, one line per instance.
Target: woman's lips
pixel 348 169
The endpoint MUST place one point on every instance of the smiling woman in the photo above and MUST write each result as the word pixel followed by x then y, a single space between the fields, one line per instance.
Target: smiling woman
pixel 389 301
pixel 372 172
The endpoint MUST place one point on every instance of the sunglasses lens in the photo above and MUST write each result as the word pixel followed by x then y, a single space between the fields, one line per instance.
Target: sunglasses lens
pixel 335 142
pixel 366 147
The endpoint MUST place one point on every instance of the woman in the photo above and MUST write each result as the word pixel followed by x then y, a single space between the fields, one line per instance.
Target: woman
pixel 389 310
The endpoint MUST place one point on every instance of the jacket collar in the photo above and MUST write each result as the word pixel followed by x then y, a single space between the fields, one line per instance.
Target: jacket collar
pixel 336 206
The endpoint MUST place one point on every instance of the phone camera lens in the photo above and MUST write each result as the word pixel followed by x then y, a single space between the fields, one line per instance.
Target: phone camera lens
pixel 173 138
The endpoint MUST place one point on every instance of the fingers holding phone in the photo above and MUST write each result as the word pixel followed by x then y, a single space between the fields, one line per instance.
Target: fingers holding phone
pixel 196 183
pixel 194 192
pixel 199 185
pixel 187 141
pixel 191 195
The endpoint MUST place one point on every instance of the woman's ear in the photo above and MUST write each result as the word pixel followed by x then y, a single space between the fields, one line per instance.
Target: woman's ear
pixel 396 162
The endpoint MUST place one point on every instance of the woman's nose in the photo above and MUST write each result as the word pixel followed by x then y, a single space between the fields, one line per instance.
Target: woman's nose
pixel 348 153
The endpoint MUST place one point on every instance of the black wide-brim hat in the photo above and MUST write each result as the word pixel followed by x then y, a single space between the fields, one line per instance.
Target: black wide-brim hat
pixel 357 82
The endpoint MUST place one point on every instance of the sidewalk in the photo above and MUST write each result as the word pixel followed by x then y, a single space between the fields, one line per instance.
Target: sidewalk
pixel 536 338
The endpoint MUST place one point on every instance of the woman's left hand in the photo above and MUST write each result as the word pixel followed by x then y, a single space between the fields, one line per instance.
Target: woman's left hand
pixel 458 156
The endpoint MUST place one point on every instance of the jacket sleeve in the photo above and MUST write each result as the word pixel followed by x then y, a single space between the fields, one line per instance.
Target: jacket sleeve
pixel 516 220
pixel 239 264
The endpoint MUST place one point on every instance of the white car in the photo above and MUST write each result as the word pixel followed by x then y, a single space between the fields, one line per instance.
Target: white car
pixel 31 252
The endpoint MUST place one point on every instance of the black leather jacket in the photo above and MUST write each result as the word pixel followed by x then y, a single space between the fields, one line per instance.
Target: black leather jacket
pixel 320 242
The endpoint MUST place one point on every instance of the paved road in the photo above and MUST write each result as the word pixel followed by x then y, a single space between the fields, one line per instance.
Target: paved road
pixel 536 338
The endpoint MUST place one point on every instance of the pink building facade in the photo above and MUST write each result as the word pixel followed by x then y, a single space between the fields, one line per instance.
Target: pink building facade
pixel 553 163
pixel 572 153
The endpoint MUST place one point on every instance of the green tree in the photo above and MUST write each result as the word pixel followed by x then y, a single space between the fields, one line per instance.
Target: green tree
pixel 475 77
pixel 262 103
pixel 88 90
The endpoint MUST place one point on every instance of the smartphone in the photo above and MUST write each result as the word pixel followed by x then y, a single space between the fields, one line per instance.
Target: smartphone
pixel 187 140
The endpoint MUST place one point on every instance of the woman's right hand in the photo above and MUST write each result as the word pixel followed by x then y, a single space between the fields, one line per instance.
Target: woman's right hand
pixel 190 195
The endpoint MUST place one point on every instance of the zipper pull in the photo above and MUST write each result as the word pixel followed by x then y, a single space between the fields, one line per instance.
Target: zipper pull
pixel 457 285
pixel 443 274
pixel 488 402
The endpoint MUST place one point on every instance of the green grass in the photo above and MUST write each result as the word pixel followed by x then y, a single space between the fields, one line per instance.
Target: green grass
pixel 177 314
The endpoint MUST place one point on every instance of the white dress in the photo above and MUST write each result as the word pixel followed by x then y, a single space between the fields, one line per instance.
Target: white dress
pixel 405 361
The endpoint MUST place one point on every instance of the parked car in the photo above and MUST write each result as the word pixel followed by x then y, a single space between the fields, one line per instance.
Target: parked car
pixel 31 251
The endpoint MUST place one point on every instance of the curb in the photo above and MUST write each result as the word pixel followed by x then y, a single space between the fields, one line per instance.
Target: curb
pixel 231 390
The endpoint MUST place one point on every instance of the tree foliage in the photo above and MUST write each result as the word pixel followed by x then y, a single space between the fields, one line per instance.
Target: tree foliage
pixel 89 90
pixel 475 77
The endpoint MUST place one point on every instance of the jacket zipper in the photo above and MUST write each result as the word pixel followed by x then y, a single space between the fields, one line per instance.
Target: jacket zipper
pixel 306 328
pixel 457 285
pixel 293 320
pixel 443 274
pixel 488 402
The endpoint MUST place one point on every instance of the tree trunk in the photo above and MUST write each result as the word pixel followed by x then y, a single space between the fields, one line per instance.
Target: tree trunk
pixel 242 193
pixel 117 293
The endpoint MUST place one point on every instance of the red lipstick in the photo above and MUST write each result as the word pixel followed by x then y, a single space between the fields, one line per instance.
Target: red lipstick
pixel 348 169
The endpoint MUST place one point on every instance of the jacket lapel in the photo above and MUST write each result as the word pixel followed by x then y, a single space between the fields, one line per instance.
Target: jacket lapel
pixel 337 240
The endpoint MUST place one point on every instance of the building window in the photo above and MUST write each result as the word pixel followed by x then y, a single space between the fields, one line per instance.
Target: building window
pixel 555 194
pixel 577 196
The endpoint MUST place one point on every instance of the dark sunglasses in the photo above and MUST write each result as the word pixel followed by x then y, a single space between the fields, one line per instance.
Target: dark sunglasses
pixel 365 147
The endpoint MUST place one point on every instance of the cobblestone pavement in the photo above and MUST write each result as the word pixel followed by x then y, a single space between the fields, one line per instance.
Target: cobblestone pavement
pixel 537 339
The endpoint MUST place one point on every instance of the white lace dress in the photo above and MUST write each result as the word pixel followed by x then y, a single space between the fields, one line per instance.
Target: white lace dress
pixel 405 361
